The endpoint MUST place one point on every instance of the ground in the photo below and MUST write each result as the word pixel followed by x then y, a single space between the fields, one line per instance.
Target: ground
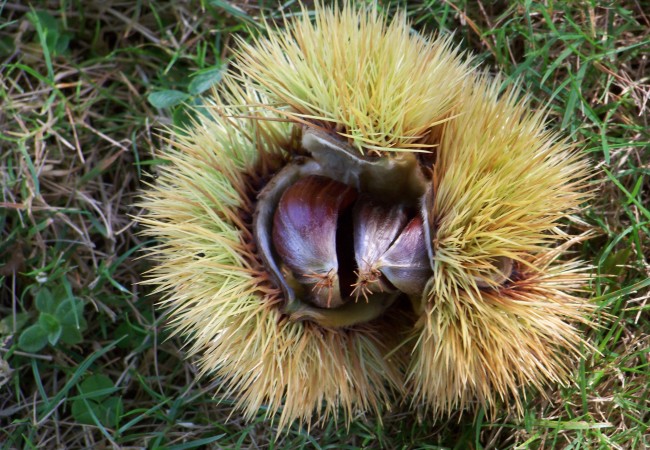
pixel 85 88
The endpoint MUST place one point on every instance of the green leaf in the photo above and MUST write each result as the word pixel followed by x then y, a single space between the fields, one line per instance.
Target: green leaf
pixel 59 293
pixel 70 312
pixel 97 387
pixel 45 301
pixel 7 323
pixel 48 322
pixel 79 370
pixel 131 337
pixel 54 336
pixel 63 42
pixel 56 39
pixel 48 31
pixel 107 412
pixel 167 98
pixel 71 335
pixel 47 20
pixel 33 339
pixel 205 79
pixel 614 263
pixel 95 399
pixel 52 326
pixel 181 118
pixel 112 413
pixel 81 412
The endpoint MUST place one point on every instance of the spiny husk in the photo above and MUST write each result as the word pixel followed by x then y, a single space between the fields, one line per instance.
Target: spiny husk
pixel 484 348
pixel 222 300
pixel 502 184
pixel 377 84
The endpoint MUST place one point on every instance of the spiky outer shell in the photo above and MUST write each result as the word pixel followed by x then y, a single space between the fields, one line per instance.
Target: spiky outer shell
pixel 500 187
pixel 200 210
pixel 378 85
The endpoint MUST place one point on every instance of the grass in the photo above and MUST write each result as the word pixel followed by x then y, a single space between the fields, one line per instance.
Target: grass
pixel 84 87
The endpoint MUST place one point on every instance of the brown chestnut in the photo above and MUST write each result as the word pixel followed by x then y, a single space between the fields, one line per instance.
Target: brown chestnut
pixel 305 226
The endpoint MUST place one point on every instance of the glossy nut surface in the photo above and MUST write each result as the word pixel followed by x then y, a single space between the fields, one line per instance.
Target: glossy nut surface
pixel 305 227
